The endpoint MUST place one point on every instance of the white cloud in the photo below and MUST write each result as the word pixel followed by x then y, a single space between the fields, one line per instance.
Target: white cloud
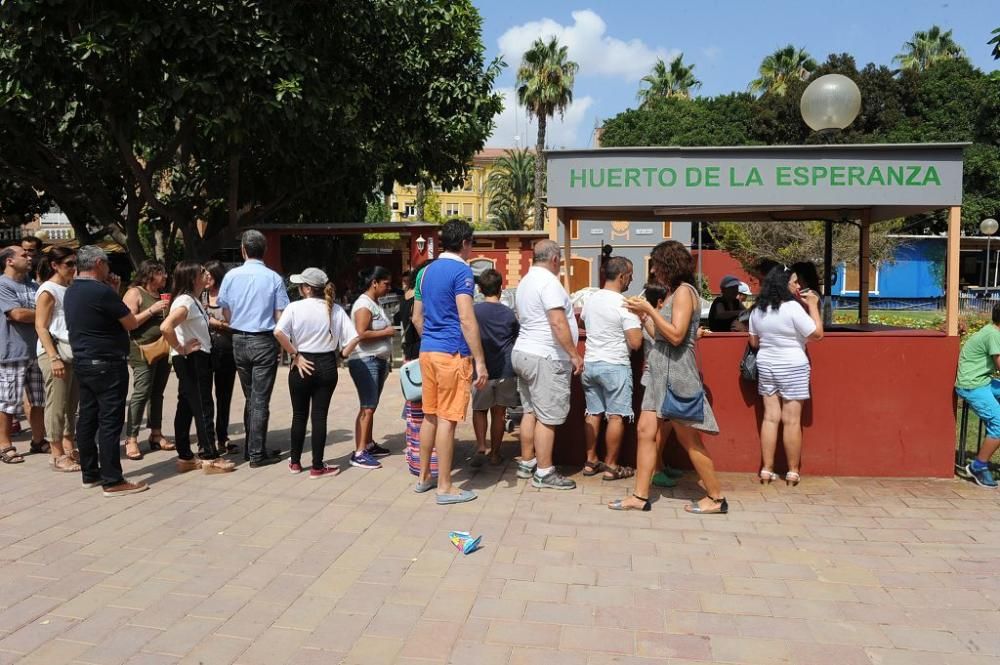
pixel 588 44
pixel 515 128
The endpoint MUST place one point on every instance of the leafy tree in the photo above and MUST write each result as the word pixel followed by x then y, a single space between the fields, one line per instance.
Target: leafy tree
pixel 928 48
pixel 544 87
pixel 779 68
pixel 721 120
pixel 666 82
pixel 510 188
pixel 432 208
pixel 210 116
pixel 996 43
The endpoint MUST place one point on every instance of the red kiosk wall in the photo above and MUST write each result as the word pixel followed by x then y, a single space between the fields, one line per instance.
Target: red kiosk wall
pixel 882 405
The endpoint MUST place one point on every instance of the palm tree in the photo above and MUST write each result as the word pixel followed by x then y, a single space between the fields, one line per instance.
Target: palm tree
pixel 510 190
pixel 677 80
pixel 927 48
pixel 544 87
pixel 778 69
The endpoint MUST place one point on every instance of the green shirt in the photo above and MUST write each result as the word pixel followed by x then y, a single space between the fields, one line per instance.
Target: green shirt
pixel 975 363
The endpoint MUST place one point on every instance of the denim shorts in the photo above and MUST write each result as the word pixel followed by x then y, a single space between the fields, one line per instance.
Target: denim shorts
pixel 369 374
pixel 984 402
pixel 607 388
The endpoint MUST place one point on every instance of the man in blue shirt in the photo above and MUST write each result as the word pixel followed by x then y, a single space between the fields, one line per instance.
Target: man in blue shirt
pixel 446 321
pixel 252 298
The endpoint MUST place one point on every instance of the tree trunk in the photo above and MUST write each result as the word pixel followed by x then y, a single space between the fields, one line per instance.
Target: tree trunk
pixel 421 199
pixel 540 174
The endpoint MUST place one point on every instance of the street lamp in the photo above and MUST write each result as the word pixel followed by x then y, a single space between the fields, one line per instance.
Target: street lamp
pixel 830 103
pixel 420 242
pixel 988 227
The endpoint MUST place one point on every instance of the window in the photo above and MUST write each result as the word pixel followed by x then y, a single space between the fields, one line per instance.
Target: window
pixel 467 210
pixel 852 279
pixel 479 266
pixel 467 185
pixel 452 210
pixel 410 210
pixel 574 229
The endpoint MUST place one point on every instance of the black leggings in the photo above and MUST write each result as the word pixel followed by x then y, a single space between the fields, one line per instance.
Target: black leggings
pixel 194 402
pixel 318 388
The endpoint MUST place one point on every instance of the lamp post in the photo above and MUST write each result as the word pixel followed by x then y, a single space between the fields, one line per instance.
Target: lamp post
pixel 988 227
pixel 831 103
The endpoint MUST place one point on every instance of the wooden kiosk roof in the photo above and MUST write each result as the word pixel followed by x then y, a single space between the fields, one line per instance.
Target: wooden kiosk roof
pixel 836 183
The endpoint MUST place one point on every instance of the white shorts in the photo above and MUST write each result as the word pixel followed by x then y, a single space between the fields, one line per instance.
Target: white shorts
pixel 788 381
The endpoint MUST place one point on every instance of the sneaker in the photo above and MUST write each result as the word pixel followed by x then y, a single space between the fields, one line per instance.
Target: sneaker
pixel 267 461
pixel 553 481
pixel 425 486
pixel 294 467
pixel 376 450
pixel 325 472
pixel 525 470
pixel 363 460
pixel 121 489
pixel 982 475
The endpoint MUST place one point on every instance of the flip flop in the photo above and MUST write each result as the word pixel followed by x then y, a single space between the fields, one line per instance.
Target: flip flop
pixel 462 497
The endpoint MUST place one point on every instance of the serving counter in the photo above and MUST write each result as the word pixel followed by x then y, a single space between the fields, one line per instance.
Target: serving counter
pixel 882 405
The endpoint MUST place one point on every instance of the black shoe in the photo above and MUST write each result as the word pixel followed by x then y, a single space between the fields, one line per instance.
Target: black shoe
pixel 276 454
pixel 267 461
pixel 376 450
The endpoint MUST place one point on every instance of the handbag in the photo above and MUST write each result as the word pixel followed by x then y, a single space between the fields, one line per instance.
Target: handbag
pixel 154 352
pixel 676 407
pixel 64 350
pixel 748 364
pixel 411 381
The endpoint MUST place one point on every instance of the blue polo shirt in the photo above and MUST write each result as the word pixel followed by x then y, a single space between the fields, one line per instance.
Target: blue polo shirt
pixel 252 293
pixel 442 281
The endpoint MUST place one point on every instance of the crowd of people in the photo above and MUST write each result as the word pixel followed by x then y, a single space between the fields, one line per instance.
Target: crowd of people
pixel 68 346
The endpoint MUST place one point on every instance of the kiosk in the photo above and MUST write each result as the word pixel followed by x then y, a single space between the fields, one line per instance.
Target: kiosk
pixel 882 397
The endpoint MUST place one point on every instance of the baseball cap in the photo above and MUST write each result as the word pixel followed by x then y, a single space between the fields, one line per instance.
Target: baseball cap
pixel 745 289
pixel 729 281
pixel 311 276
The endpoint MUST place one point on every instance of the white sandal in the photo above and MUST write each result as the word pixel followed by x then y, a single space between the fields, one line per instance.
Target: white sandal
pixel 792 478
pixel 767 476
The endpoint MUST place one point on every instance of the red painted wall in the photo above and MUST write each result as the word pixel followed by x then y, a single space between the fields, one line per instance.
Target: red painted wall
pixel 883 405
pixel 716 264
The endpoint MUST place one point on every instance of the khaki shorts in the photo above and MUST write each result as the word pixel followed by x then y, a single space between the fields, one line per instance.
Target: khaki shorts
pixel 498 392
pixel 447 385
pixel 544 386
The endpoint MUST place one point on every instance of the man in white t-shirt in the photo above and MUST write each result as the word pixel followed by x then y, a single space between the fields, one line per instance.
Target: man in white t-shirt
pixel 544 359
pixel 612 331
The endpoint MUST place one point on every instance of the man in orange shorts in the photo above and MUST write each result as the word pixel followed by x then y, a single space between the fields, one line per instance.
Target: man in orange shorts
pixel 449 335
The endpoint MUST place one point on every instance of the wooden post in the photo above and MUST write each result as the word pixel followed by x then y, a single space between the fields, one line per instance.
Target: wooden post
pixel 828 273
pixel 951 268
pixel 864 263
pixel 567 248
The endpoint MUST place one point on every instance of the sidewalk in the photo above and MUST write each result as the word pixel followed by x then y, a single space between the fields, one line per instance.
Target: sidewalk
pixel 260 567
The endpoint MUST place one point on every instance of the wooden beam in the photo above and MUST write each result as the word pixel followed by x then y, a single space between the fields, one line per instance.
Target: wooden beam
pixel 567 223
pixel 864 263
pixel 951 270
pixel 827 273
pixel 553 220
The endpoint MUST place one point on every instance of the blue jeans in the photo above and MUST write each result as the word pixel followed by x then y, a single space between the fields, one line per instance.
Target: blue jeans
pixel 607 388
pixel 257 365
pixel 984 402
pixel 369 375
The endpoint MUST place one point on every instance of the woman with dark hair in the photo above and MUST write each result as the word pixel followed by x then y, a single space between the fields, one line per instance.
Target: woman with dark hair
pixel 314 331
pixel 55 357
pixel 672 362
pixel 369 363
pixel 223 363
pixel 148 380
pixel 186 330
pixel 779 330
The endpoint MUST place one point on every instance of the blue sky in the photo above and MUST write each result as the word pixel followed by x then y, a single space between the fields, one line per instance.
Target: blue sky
pixel 617 42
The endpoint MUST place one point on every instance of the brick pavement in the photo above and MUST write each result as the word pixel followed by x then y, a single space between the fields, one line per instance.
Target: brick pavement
pixel 261 567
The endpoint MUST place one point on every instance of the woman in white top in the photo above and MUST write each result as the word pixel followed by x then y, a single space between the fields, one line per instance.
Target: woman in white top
pixel 779 330
pixel 369 364
pixel 55 358
pixel 314 331
pixel 186 330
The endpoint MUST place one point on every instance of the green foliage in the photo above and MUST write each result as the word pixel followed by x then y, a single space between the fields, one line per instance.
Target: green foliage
pixel 510 188
pixel 432 208
pixel 779 68
pixel 667 82
pixel 544 87
pixel 929 48
pixel 996 43
pixel 722 120
pixel 377 212
pixel 237 113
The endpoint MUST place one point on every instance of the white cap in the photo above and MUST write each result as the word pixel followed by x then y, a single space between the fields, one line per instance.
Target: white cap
pixel 745 289
pixel 311 276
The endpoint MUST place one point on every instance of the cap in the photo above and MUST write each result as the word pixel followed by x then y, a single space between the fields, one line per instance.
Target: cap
pixel 311 276
pixel 729 281
pixel 745 289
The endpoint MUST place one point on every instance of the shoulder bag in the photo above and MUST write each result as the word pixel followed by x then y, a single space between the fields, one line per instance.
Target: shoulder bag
pixel 748 364
pixel 411 381
pixel 676 407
